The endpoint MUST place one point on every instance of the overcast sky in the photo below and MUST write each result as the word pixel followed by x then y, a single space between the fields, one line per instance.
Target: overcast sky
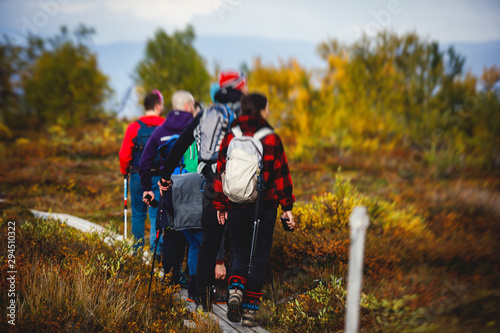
pixel 311 20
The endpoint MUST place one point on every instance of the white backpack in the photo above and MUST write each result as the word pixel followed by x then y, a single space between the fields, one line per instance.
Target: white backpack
pixel 244 165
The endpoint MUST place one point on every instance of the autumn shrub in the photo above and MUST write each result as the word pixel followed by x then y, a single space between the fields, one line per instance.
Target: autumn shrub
pixel 419 256
pixel 74 281
pixel 5 132
pixel 319 248
pixel 322 235
pixel 91 140
pixel 73 172
pixel 322 309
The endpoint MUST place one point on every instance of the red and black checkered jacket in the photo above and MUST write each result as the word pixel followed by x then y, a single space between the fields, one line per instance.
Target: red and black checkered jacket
pixel 278 181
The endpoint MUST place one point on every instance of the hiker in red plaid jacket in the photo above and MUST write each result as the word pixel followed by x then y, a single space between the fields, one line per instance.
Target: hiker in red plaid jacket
pixel 245 291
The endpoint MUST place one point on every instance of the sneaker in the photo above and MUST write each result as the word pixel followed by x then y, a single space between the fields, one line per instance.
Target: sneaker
pixel 249 319
pixel 192 298
pixel 234 305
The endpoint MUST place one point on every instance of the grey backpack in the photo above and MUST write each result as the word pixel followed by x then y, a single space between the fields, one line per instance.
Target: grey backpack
pixel 186 201
pixel 214 124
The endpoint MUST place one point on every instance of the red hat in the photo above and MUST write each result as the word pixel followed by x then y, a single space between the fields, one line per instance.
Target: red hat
pixel 232 78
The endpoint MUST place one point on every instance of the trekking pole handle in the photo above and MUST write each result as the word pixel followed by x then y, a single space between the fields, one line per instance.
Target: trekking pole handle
pixel 153 203
pixel 165 183
pixel 285 221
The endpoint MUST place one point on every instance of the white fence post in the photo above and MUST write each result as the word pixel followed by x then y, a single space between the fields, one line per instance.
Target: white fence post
pixel 359 221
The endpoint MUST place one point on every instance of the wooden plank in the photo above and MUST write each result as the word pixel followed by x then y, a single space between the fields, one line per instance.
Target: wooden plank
pixel 222 310
pixel 77 223
pixel 219 315
pixel 217 310
pixel 72 221
pixel 225 325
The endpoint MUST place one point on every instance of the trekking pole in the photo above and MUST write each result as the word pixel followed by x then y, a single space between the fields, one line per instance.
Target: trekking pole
pixel 154 256
pixel 158 230
pixel 254 243
pixel 258 205
pixel 125 190
pixel 272 284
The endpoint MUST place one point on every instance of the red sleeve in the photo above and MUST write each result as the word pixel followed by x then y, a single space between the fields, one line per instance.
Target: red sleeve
pixel 220 200
pixel 282 177
pixel 127 146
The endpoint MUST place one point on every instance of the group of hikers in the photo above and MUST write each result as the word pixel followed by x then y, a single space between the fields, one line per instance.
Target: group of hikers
pixel 239 169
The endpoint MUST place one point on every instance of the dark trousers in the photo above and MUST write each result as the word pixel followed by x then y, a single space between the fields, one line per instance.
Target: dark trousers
pixel 211 239
pixel 241 226
pixel 174 244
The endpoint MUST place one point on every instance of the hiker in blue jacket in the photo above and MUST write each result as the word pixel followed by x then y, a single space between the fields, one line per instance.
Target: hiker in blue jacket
pixel 176 121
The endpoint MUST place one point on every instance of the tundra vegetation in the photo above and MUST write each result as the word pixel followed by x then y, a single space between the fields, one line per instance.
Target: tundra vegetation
pixel 391 123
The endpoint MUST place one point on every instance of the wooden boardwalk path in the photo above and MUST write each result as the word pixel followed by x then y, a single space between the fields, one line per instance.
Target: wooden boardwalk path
pixel 70 220
pixel 218 314
pixel 219 310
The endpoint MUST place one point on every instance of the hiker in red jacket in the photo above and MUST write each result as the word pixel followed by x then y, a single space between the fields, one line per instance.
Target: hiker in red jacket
pixel 245 291
pixel 136 137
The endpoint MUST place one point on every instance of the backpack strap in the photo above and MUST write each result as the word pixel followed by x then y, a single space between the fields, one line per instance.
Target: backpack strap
pixel 262 133
pixel 231 117
pixel 229 114
pixel 237 131
pixel 134 140
pixel 166 147
pixel 259 135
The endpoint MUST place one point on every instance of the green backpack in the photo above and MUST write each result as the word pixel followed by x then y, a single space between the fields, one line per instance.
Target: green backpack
pixel 191 158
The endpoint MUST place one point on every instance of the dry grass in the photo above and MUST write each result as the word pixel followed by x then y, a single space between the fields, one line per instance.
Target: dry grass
pixel 73 281
pixel 431 259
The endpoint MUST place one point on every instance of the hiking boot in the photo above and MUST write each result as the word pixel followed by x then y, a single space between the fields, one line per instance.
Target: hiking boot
pixel 249 319
pixel 234 305
pixel 220 297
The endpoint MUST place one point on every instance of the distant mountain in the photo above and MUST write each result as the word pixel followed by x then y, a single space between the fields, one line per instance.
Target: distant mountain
pixel 118 60
pixel 235 51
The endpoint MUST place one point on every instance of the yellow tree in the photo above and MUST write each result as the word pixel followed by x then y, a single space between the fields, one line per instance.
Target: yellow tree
pixel 292 101
pixel 63 84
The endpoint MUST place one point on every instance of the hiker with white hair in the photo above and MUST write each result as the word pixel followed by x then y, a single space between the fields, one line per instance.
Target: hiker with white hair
pixel 174 242
pixel 208 130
